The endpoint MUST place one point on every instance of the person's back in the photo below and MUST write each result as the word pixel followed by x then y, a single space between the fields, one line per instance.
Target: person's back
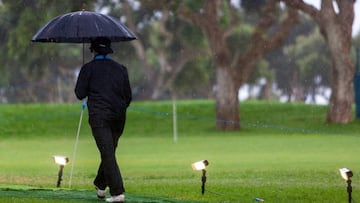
pixel 109 92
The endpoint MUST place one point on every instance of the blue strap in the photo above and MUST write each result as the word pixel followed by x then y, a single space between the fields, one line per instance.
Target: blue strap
pixel 101 57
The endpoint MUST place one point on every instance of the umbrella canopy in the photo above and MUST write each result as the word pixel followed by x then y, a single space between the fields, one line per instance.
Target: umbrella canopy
pixel 82 27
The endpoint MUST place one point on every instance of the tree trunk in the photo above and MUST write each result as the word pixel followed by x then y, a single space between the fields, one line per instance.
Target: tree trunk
pixel 265 93
pixel 337 32
pixel 336 27
pixel 227 102
pixel 341 99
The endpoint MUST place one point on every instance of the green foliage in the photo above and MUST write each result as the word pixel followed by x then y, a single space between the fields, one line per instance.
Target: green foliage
pixel 191 36
pixel 240 39
pixel 225 16
pixel 195 6
pixel 25 62
pixel 262 70
pixel 193 78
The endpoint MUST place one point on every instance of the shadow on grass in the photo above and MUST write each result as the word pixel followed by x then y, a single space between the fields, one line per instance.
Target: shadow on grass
pixel 13 195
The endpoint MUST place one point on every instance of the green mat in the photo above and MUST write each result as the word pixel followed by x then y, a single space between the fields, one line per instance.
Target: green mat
pixel 29 195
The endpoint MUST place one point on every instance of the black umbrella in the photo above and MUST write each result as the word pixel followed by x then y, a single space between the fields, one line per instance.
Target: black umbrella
pixel 82 27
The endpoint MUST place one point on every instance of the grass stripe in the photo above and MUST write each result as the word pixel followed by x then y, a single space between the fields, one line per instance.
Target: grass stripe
pixel 14 195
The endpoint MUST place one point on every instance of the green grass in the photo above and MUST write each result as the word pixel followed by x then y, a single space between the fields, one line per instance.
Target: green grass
pixel 35 195
pixel 284 153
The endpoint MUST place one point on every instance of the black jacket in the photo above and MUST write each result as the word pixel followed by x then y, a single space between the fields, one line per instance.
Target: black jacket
pixel 106 84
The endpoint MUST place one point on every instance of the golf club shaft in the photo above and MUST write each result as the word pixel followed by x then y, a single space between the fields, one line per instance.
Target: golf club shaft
pixel 75 147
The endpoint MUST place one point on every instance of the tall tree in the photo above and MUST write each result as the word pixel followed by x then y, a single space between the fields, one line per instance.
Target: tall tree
pixel 335 23
pixel 218 21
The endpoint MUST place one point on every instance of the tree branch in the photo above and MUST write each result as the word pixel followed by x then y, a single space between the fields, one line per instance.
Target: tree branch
pixel 262 44
pixel 346 12
pixel 162 27
pixel 304 7
pixel 187 15
pixel 137 44
pixel 284 29
pixel 140 50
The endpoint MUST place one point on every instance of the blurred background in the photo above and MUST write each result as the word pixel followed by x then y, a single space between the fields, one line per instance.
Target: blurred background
pixel 172 57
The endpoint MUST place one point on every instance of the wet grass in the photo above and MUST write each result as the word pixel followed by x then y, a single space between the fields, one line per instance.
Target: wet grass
pixel 284 153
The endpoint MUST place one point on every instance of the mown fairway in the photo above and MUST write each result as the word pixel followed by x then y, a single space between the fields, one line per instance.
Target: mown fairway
pixel 284 153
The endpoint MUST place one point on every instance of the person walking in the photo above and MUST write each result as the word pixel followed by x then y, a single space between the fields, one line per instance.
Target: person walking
pixel 106 85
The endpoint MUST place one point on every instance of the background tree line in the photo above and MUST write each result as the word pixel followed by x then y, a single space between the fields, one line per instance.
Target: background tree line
pixel 192 49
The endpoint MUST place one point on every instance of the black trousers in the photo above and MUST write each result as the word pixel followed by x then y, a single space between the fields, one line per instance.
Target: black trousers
pixel 106 134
